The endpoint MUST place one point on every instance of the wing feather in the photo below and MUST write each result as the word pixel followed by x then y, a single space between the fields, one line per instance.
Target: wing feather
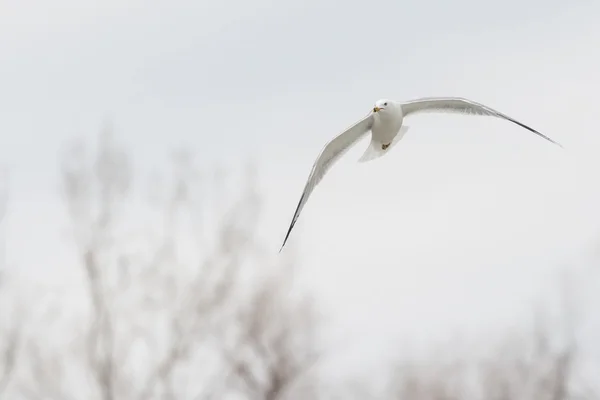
pixel 461 106
pixel 332 152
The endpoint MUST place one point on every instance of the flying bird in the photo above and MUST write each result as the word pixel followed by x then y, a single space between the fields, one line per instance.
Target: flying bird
pixel 385 121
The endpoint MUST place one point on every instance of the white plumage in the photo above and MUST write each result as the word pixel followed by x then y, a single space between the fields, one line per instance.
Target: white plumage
pixel 385 121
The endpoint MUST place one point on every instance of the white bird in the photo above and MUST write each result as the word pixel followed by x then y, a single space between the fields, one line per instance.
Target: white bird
pixel 385 124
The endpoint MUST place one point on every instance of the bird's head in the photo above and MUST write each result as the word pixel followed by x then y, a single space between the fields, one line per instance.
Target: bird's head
pixel 382 105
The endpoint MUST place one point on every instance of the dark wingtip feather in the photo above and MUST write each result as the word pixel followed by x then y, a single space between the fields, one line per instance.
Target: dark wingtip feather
pixel 287 235
pixel 534 131
pixel 294 219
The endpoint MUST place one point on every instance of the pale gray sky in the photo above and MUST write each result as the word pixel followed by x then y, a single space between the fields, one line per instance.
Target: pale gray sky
pixel 459 228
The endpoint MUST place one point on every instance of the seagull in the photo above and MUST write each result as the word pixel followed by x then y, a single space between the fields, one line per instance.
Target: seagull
pixel 385 123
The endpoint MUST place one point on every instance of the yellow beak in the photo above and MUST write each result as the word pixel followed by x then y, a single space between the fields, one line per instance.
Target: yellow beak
pixel 375 109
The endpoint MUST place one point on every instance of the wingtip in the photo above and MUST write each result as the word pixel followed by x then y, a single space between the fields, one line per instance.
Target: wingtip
pixel 550 140
pixel 556 143
pixel 285 240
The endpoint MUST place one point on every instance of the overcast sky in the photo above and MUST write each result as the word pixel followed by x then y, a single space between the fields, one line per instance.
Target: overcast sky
pixel 460 227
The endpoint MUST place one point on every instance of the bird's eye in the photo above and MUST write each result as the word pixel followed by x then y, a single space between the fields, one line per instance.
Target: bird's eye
pixel 385 104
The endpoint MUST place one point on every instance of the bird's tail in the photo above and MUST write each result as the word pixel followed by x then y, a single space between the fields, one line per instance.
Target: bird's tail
pixel 376 150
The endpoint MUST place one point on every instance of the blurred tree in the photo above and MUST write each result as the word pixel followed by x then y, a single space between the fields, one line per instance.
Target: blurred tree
pixel 183 301
pixel 10 327
pixel 538 363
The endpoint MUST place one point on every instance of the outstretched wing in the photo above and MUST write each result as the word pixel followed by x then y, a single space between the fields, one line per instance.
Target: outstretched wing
pixel 328 156
pixel 460 106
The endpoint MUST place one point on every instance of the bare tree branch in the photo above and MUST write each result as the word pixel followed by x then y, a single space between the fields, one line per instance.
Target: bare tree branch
pixel 9 357
pixel 92 220
pixel 276 345
pixel 168 283
pixel 10 336
pixel 535 364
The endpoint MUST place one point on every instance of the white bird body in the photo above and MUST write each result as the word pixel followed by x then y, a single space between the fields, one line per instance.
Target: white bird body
pixel 385 122
pixel 386 125
pixel 386 130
